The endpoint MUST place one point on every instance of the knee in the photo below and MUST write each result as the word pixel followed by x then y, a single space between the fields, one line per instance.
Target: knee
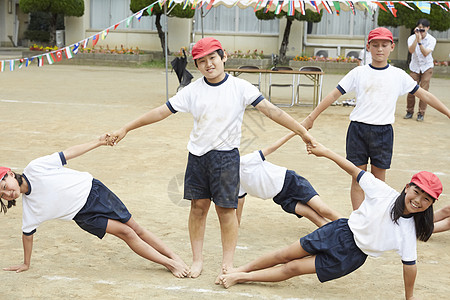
pixel 199 208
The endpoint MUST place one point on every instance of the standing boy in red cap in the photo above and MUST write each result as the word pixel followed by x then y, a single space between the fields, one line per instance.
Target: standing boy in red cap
pixel 217 102
pixel 386 220
pixel 370 136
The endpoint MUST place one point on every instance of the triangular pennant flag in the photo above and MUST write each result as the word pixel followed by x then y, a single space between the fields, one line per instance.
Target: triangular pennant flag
pixel 186 3
pixel 12 64
pixel 30 60
pixel 21 63
pixel 291 8
pixel 380 5
pixel 105 33
pixel 440 5
pixel 194 4
pixel 405 4
pixel 40 61
pixel 316 5
pixel 279 7
pixel 337 7
pixel 210 4
pixel 129 20
pixel 50 58
pixel 85 43
pixel 352 6
pixel 150 10
pixel 423 6
pixel 366 6
pixel 2 66
pixel 68 52
pixel 117 25
pixel 94 40
pixel 139 15
pixel 75 48
pixel 301 6
pixel 448 4
pixel 27 62
pixel 268 6
pixel 327 7
pixel 392 8
pixel 58 55
pixel 171 2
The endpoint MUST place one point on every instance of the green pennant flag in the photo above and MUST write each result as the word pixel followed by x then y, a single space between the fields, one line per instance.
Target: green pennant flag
pixel 337 6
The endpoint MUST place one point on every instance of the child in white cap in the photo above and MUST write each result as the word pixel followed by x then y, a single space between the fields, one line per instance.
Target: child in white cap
pixel 51 191
pixel 370 136
pixel 217 102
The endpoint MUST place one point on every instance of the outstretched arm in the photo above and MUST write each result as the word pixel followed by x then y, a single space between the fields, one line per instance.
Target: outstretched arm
pixel 409 277
pixel 155 115
pixel 327 101
pixel 27 241
pixel 346 165
pixel 432 100
pixel 81 149
pixel 284 119
pixel 270 149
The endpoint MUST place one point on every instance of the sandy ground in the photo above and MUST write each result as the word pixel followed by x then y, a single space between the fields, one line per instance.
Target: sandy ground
pixel 51 108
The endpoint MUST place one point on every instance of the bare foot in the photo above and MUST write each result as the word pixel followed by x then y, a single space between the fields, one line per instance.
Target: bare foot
pixel 196 269
pixel 178 269
pixel 223 271
pixel 228 280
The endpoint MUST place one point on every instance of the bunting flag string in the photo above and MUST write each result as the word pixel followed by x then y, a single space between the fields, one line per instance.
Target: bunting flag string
pixel 288 5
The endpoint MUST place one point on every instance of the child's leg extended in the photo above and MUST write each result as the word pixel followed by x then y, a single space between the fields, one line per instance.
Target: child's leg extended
pixel 323 209
pixel 294 259
pixel 309 213
pixel 149 248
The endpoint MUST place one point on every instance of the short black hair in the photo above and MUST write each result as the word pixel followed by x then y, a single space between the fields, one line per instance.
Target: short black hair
pixel 423 22
pixel 219 51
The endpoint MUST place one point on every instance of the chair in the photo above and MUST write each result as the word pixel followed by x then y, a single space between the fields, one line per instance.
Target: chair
pixel 316 83
pixel 258 85
pixel 291 85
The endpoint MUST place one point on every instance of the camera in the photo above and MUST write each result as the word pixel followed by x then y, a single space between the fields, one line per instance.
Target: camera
pixel 420 30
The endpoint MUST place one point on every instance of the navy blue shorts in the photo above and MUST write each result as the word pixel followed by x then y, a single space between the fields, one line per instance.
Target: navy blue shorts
pixel 374 142
pixel 336 252
pixel 295 189
pixel 214 175
pixel 101 205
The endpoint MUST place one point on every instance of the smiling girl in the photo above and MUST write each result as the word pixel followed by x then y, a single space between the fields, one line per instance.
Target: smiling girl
pixel 385 221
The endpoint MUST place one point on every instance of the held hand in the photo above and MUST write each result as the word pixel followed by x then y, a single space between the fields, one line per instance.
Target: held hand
pixel 319 150
pixel 308 139
pixel 104 139
pixel 115 137
pixel 18 268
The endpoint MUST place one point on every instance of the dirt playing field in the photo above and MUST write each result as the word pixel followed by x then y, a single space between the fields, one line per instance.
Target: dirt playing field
pixel 48 109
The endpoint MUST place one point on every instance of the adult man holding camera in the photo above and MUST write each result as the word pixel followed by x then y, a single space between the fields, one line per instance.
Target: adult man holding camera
pixel 420 45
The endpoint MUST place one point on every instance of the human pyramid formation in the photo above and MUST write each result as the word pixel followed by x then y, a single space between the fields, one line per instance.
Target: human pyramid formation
pixel 382 218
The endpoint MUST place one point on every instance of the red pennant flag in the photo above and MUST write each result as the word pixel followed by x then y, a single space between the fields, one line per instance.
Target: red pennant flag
pixel 94 40
pixel 117 25
pixel 380 5
pixel 58 55
pixel 210 4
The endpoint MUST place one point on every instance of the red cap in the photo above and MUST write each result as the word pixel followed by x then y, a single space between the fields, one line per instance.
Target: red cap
pixel 380 33
pixel 205 46
pixel 428 182
pixel 3 172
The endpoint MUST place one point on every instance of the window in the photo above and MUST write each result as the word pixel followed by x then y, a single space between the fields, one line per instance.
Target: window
pixel 347 24
pixel 222 19
pixel 106 13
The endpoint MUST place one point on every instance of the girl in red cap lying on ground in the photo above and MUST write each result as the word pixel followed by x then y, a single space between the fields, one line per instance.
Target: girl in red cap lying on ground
pixel 51 191
pixel 386 220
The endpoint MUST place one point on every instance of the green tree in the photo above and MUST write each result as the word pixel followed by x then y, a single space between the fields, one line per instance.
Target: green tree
pixel 175 11
pixel 74 8
pixel 439 18
pixel 309 16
